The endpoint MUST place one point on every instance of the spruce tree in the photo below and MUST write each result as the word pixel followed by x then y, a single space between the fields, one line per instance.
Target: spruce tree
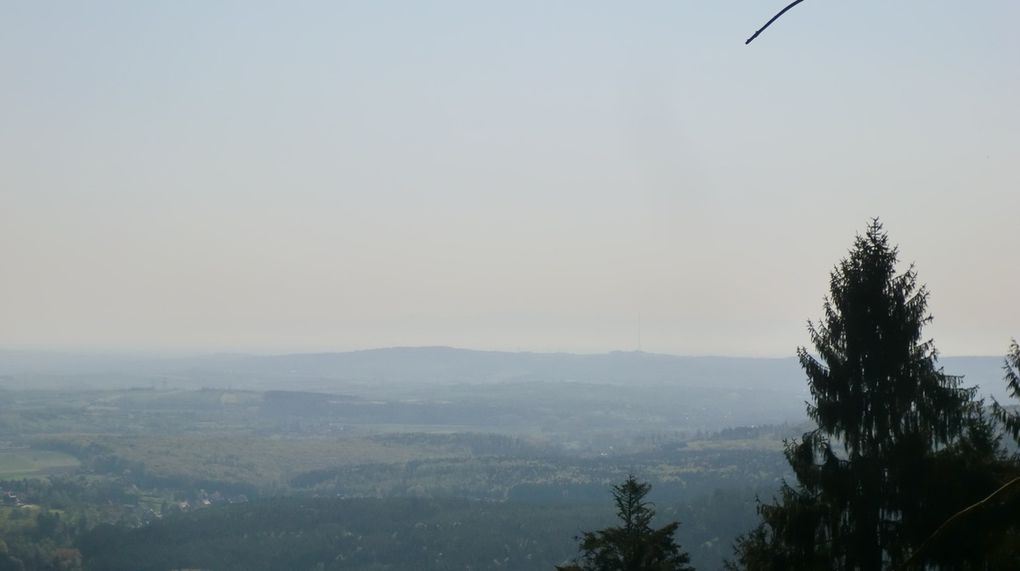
pixel 1011 370
pixel 899 445
pixel 634 545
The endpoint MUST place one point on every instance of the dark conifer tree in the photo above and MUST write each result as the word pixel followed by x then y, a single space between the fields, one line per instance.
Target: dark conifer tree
pixel 1011 370
pixel 899 445
pixel 634 545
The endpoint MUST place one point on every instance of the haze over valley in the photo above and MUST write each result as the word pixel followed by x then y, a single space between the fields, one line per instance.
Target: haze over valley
pixel 521 286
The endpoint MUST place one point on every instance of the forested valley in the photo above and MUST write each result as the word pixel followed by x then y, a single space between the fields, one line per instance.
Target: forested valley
pixel 121 477
pixel 436 458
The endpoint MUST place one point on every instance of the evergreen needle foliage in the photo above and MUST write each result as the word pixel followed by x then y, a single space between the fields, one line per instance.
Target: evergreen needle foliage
pixel 1011 370
pixel 899 447
pixel 634 545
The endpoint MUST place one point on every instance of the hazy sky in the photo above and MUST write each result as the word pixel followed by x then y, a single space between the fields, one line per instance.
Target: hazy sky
pixel 505 175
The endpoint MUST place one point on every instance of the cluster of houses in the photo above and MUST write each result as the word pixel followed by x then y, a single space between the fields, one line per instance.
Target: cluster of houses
pixel 205 499
pixel 9 498
pixel 143 514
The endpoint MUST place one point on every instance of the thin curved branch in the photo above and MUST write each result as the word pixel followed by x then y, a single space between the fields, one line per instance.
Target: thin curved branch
pixel 774 18
pixel 954 519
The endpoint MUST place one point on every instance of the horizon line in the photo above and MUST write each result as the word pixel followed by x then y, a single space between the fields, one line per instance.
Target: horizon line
pixel 167 352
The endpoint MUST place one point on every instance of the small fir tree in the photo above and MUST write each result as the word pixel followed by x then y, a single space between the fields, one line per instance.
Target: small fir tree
pixel 634 545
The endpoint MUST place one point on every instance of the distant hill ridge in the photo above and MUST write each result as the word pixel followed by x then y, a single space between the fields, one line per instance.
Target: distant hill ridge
pixel 449 365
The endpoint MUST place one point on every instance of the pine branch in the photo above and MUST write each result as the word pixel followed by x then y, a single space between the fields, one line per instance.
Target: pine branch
pixel 774 18
pixel 954 519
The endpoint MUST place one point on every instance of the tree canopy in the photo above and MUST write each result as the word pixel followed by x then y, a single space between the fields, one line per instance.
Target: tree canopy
pixel 634 545
pixel 899 447
pixel 1011 375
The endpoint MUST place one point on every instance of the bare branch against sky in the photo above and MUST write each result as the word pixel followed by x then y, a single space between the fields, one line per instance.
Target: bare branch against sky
pixel 267 176
pixel 773 19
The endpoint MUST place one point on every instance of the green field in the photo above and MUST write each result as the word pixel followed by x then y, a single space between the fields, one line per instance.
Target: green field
pixel 30 463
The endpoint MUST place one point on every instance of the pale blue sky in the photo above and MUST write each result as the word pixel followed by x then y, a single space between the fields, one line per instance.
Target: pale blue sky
pixel 507 175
